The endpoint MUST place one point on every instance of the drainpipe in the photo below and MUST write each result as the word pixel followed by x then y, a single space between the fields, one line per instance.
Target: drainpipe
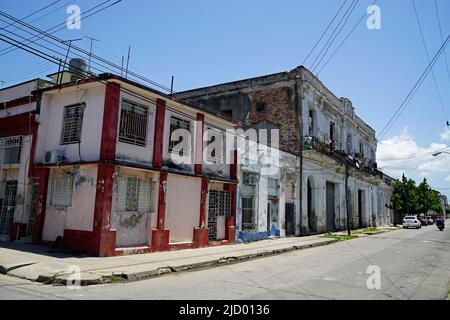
pixel 346 199
pixel 299 110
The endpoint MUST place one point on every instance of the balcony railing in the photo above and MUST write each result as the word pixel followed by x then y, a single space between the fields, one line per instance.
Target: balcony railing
pixel 329 149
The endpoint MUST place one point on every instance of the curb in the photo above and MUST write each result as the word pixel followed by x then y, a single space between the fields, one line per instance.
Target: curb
pixel 59 279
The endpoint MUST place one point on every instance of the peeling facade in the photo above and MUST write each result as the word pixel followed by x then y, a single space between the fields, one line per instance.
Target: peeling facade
pixel 322 133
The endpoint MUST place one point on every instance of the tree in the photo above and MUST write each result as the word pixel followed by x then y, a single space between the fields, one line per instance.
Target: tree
pixel 408 198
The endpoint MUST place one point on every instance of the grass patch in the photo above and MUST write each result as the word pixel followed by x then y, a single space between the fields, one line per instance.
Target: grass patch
pixel 339 236
pixel 113 278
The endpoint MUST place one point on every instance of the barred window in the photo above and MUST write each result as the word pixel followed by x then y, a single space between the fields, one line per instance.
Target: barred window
pixel 176 146
pixel 248 214
pixel 61 192
pixel 133 123
pixel 217 150
pixel 135 194
pixel 72 123
pixel 10 149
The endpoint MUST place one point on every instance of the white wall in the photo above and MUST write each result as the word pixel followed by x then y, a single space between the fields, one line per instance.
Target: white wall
pixel 139 235
pixel 182 207
pixel 80 216
pixel 51 119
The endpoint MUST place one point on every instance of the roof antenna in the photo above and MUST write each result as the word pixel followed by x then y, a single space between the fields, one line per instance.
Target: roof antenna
pixel 121 69
pixel 128 62
pixel 171 86
pixel 90 51
pixel 448 123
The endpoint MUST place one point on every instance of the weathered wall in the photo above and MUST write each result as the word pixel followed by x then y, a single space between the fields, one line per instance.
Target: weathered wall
pixel 80 216
pixel 51 119
pixel 182 207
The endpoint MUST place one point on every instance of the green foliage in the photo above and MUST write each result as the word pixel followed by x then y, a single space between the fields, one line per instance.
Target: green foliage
pixel 408 198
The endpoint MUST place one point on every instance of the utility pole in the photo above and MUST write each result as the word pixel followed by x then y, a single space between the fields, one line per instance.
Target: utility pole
pixel 299 108
pixel 128 62
pixel 347 209
pixel 90 51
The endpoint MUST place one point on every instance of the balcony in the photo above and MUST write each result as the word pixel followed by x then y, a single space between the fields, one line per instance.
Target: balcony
pixel 358 161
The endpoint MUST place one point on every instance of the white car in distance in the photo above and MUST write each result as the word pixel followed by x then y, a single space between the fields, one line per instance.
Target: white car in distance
pixel 411 222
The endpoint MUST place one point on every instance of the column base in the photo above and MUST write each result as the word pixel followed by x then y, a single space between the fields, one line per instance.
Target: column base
pixel 201 237
pixel 160 240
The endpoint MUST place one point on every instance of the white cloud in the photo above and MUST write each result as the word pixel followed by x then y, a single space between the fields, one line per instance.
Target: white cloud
pixel 447 179
pixel 401 154
pixel 445 136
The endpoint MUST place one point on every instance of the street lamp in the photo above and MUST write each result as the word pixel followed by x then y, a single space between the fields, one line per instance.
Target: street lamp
pixel 439 153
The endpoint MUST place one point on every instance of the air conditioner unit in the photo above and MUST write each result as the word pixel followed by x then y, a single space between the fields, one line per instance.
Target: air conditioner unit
pixel 52 157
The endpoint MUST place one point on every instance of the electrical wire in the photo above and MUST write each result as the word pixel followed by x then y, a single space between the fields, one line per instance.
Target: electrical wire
pixel 442 36
pixel 343 41
pixel 333 35
pixel 411 94
pixel 326 30
pixel 428 59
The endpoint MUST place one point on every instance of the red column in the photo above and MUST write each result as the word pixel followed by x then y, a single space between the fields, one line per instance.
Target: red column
pixel 199 143
pixel 160 236
pixel 102 240
pixel 110 122
pixel 201 234
pixel 159 133
pixel 230 231
pixel 42 174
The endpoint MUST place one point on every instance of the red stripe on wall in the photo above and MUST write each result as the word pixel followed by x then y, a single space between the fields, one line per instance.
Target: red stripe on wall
pixel 110 122
pixel 159 133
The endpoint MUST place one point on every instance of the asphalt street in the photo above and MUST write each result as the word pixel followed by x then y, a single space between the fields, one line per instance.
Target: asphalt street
pixel 412 264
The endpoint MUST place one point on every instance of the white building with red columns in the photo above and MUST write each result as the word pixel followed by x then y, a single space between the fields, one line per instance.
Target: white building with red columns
pixel 104 180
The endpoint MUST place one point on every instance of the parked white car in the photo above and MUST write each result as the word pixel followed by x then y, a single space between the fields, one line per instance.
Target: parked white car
pixel 411 222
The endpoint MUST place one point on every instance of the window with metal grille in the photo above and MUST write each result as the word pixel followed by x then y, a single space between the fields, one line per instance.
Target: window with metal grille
pixel 133 123
pixel 10 148
pixel 217 150
pixel 177 146
pixel 248 214
pixel 135 194
pixel 61 192
pixel 249 179
pixel 72 123
pixel 220 203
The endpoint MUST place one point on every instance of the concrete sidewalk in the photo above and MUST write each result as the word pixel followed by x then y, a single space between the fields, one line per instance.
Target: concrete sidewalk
pixel 45 265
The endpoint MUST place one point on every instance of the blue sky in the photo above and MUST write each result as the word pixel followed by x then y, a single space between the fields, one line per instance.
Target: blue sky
pixel 205 42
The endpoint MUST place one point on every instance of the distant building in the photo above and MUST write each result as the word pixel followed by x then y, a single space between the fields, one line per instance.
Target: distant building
pixel 319 133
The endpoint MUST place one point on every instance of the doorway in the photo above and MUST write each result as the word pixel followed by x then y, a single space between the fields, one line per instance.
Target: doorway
pixel 312 225
pixel 290 219
pixel 7 210
pixel 330 203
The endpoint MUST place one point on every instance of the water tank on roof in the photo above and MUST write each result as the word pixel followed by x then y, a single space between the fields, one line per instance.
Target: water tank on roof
pixel 78 66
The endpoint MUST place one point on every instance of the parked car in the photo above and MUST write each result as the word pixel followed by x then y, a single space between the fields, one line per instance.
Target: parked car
pixel 430 220
pixel 411 222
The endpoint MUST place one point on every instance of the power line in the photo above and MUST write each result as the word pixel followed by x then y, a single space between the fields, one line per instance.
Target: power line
pixel 326 30
pixel 416 86
pixel 36 12
pixel 442 37
pixel 63 24
pixel 334 34
pixel 343 41
pixel 428 58
pixel 87 53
